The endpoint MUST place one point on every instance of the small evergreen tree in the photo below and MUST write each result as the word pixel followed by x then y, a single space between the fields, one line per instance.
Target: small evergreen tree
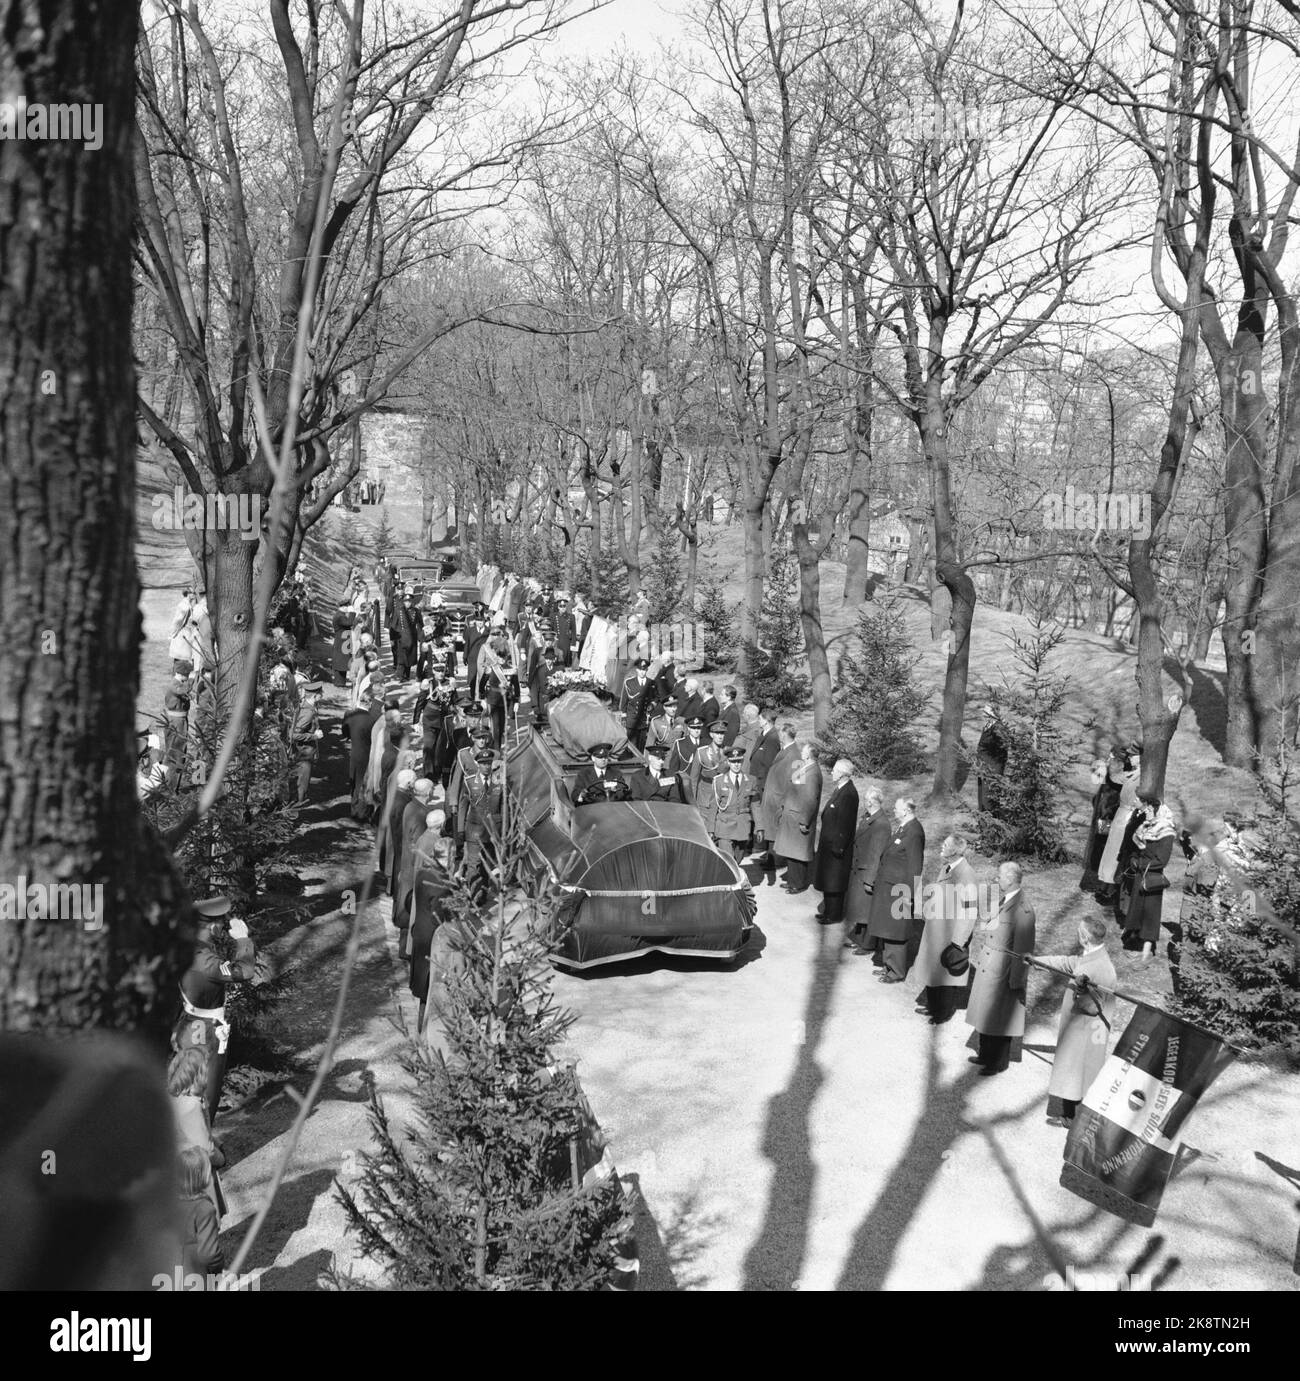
pixel 381 540
pixel 1024 818
pixel 772 677
pixel 877 701
pixel 485 1194
pixel 1237 969
pixel 663 582
pixel 717 620
pixel 609 594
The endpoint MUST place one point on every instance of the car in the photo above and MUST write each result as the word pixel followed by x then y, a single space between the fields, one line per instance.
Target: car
pixel 634 876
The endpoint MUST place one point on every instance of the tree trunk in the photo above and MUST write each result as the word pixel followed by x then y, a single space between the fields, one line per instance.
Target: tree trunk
pixel 756 566
pixel 814 636
pixel 69 591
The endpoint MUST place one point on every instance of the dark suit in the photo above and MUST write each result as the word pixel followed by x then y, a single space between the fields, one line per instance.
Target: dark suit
pixel 681 760
pixel 565 636
pixel 645 787
pixel 758 764
pixel 834 866
pixel 588 781
pixel 872 836
pixel 356 729
pixel 895 901
pixel 731 718
pixel 709 711
pixel 538 682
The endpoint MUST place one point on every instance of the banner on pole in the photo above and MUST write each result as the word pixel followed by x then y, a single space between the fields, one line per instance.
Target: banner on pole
pixel 1125 1136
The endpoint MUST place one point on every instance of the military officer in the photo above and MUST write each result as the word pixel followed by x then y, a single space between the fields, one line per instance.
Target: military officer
pixel 306 736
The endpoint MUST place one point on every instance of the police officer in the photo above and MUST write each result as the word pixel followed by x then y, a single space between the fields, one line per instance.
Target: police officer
pixel 215 966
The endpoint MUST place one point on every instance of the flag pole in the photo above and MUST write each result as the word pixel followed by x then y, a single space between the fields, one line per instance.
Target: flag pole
pixel 1074 983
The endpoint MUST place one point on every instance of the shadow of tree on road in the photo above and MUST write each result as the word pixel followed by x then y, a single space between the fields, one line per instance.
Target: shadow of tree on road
pixel 775 1260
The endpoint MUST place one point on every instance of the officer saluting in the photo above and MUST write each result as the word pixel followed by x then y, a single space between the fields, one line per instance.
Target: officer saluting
pixel 215 966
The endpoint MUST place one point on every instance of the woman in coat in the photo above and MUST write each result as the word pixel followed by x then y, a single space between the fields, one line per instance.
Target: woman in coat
pixel 1083 1028
pixel 895 901
pixel 1153 844
pixel 1105 802
pixel 797 819
pixel 187 1083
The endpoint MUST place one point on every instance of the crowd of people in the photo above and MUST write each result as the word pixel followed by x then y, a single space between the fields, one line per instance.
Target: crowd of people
pixel 426 768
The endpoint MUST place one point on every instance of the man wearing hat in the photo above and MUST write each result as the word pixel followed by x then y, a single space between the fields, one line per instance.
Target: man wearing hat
pixel 681 756
pixel 650 782
pixel 598 780
pixel 566 631
pixel 478 812
pixel 216 964
pixel 632 702
pixel 709 762
pixel 305 736
pixel 660 732
pixel 990 758
pixel 478 739
pixel 732 792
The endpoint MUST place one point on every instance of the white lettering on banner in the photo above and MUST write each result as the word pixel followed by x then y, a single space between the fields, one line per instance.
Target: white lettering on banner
pixel 75 1334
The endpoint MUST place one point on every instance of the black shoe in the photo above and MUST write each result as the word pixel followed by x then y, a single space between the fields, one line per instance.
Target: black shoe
pixel 988 1071
pixel 876 959
pixel 975 1060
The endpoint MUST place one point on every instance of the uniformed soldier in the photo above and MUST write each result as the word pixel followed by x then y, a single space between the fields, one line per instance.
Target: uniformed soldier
pixel 478 812
pixel 176 707
pixel 599 780
pixel 710 761
pixel 681 756
pixel 660 733
pixel 632 702
pixel 651 783
pixel 214 967
pixel 731 792
pixel 305 738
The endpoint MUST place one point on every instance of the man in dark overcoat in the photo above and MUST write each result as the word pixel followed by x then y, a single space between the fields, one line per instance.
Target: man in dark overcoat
pixel 896 898
pixel 872 835
pixel 834 865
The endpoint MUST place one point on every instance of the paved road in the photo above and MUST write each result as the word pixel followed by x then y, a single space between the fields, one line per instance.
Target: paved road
pixel 794 1124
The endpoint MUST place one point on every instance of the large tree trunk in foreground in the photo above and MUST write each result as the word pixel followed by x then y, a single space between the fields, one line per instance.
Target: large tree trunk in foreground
pixel 69 593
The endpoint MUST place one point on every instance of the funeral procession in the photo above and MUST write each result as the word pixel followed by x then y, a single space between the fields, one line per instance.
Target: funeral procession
pixel 650 646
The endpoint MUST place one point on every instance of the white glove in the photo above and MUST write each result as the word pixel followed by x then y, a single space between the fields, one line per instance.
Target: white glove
pixel 238 929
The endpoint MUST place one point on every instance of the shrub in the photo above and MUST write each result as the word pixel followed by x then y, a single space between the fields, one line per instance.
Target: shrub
pixel 1025 800
pixel 1238 966
pixel 771 678
pixel 663 581
pixel 877 700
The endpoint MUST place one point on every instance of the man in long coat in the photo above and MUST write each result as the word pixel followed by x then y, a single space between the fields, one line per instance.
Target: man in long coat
pixel 730 716
pixel 390 828
pixel 896 899
pixel 797 820
pixel 997 997
pixel 432 886
pixel 566 633
pixel 770 760
pixel 872 835
pixel 1081 1033
pixel 355 731
pixel 413 826
pixel 951 913
pixel 834 865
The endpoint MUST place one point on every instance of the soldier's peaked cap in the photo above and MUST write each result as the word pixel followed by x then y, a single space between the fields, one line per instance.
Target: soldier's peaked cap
pixel 213 907
pixel 735 753
pixel 601 750
pixel 717 727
